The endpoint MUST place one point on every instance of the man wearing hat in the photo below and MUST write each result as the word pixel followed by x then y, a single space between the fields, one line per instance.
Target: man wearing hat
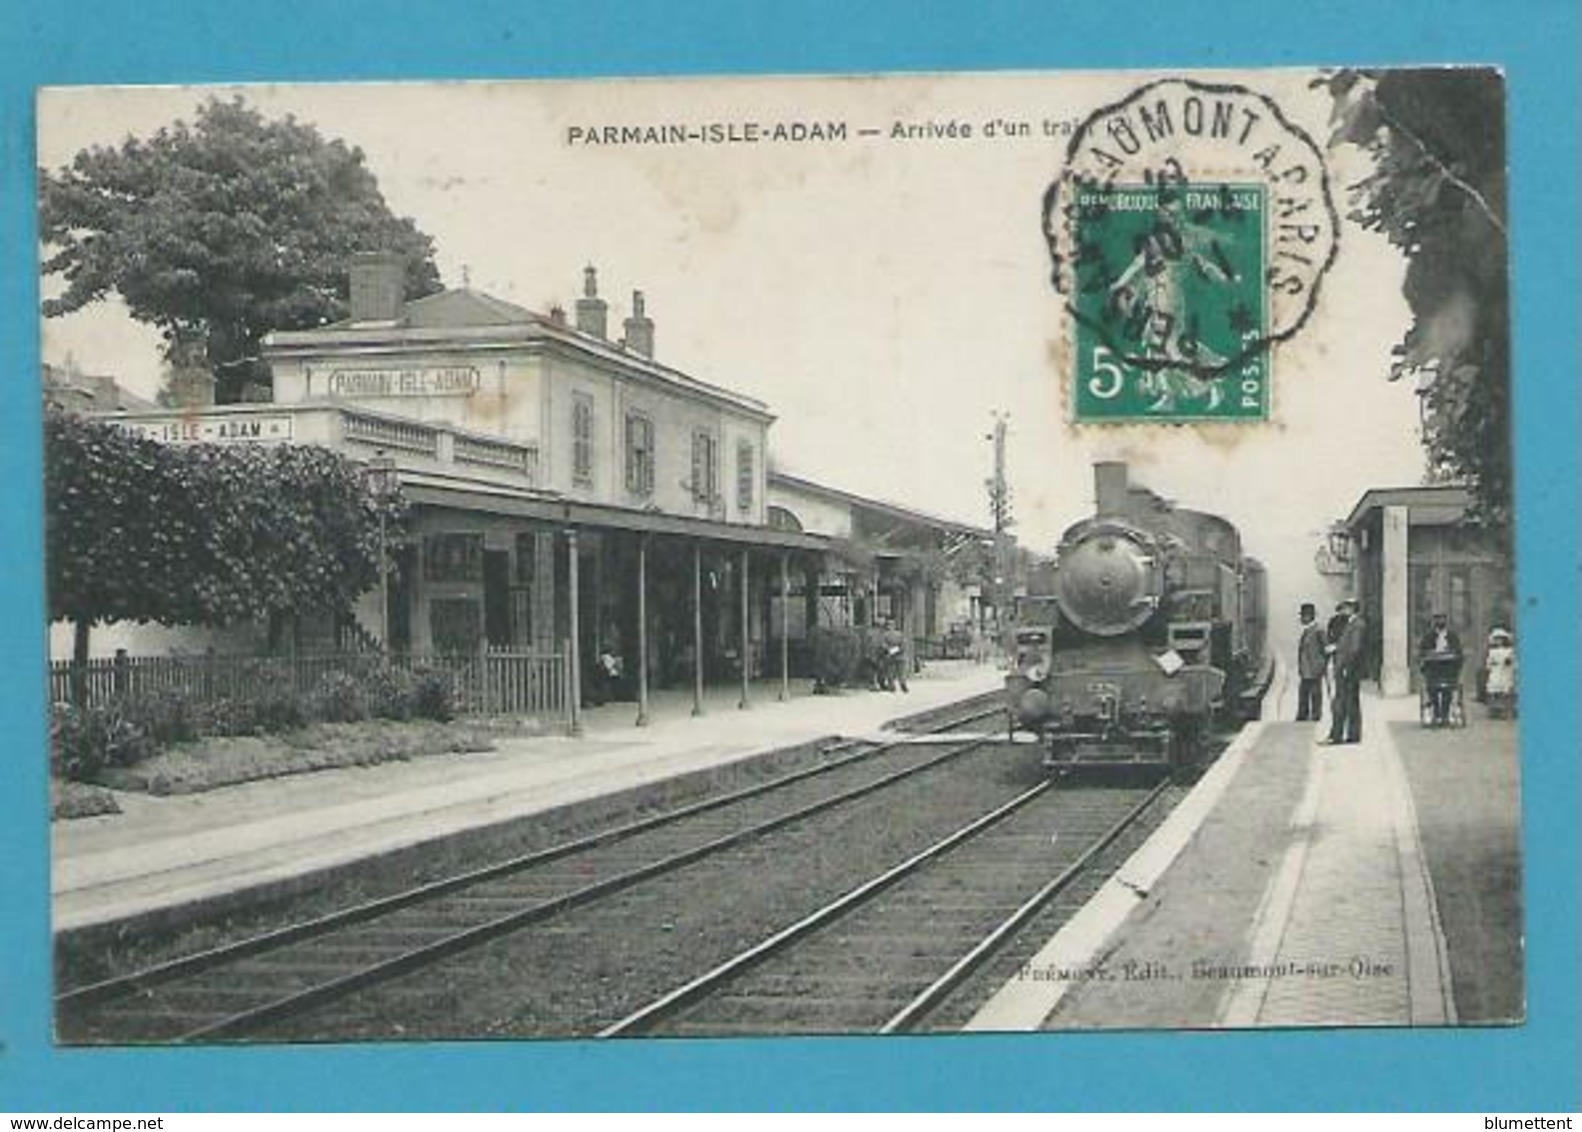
pixel 1311 660
pixel 1346 718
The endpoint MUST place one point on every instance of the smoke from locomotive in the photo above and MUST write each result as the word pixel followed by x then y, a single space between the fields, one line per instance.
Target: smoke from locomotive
pixel 1152 623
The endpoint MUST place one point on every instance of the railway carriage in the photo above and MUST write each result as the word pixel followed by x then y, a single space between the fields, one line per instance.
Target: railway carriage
pixel 1151 624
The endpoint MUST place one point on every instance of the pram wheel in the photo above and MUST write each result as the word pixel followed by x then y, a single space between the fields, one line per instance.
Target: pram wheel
pixel 1443 682
pixel 1455 707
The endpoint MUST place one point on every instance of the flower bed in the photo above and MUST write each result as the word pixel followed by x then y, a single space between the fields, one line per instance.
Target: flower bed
pixel 204 764
pixel 69 799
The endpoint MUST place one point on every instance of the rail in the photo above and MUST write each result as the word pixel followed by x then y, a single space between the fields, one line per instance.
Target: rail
pixel 496 454
pixel 478 924
pixel 383 432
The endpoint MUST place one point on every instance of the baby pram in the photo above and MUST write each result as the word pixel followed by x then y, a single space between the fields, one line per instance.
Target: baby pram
pixel 1439 687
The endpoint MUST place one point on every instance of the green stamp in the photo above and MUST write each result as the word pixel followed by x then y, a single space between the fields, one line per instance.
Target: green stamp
pixel 1169 299
pixel 1189 230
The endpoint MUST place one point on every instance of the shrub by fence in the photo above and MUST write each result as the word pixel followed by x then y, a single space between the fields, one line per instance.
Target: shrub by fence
pixel 128 709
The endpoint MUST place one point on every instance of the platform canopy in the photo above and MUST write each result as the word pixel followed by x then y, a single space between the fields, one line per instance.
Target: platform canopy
pixel 579 514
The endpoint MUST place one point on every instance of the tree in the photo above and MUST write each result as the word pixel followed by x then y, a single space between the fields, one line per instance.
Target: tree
pixel 1438 193
pixel 114 511
pixel 140 531
pixel 221 231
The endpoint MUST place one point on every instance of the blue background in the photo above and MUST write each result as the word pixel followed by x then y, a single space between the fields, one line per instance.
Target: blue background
pixel 1534 1067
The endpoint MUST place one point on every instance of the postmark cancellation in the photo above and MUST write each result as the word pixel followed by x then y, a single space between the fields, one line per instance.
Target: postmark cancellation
pixel 1189 232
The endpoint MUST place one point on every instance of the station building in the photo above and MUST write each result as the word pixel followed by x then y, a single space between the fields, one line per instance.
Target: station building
pixel 1413 553
pixel 566 486
pixel 570 495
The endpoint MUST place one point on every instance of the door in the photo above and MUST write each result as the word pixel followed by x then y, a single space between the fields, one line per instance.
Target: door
pixel 497 597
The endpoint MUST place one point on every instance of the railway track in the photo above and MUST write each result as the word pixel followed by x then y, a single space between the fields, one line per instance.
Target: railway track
pixel 887 956
pixel 237 990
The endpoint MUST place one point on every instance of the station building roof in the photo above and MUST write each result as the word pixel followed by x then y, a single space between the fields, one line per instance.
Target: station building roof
pixel 79 392
pixel 894 511
pixel 1432 505
pixel 463 318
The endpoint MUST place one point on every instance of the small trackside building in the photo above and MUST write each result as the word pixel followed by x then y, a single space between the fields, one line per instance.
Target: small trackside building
pixel 1415 552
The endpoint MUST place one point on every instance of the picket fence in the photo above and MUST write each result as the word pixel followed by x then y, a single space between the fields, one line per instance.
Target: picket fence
pixel 492 681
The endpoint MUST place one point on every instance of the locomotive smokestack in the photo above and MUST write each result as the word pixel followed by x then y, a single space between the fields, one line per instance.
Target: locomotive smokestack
pixel 1110 488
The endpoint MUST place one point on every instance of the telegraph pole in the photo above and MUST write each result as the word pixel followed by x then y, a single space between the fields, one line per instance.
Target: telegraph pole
pixel 1000 509
pixel 999 493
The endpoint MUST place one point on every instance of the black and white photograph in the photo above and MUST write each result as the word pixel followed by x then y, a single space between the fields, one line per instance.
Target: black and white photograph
pixel 756 556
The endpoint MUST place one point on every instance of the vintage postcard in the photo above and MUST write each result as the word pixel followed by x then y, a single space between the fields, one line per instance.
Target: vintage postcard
pixel 760 556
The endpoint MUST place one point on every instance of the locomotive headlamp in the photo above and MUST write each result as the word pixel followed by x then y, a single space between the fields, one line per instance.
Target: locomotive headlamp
pixel 1037 672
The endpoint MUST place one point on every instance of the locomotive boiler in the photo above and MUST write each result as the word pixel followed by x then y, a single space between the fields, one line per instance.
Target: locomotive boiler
pixel 1151 624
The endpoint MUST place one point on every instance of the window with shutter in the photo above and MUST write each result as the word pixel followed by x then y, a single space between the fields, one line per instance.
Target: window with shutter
pixel 744 476
pixel 705 466
pixel 582 440
pixel 639 454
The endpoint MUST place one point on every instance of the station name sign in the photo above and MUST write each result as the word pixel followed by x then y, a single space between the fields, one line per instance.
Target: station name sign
pixel 426 381
pixel 213 430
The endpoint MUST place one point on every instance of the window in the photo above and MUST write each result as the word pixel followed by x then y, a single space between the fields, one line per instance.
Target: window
pixel 705 466
pixel 783 520
pixel 582 440
pixel 453 558
pixel 744 475
pixel 639 454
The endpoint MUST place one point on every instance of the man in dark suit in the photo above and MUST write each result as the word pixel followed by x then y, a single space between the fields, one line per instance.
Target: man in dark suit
pixel 1440 654
pixel 1311 660
pixel 1346 654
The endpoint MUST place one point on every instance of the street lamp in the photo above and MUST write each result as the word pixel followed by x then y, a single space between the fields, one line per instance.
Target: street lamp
pixel 383 479
pixel 1339 540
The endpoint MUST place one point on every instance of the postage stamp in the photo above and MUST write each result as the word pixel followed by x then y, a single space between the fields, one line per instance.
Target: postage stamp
pixel 1190 230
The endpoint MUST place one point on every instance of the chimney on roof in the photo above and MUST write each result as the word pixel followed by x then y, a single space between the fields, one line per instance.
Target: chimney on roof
pixel 592 311
pixel 557 315
pixel 378 286
pixel 189 382
pixel 640 329
pixel 1110 488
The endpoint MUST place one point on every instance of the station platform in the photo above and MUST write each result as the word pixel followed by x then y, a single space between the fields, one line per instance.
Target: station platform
pixel 162 853
pixel 1301 884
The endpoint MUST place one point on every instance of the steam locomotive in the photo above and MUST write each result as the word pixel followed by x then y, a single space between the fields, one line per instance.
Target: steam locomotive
pixel 1150 625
